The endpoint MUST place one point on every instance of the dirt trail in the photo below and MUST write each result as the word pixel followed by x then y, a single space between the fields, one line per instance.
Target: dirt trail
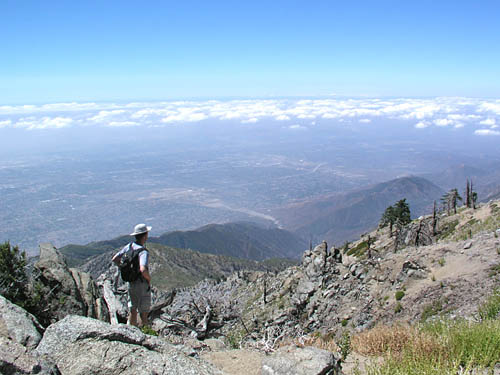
pixel 237 361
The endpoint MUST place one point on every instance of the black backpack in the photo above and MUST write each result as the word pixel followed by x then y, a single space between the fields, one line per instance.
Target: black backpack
pixel 129 264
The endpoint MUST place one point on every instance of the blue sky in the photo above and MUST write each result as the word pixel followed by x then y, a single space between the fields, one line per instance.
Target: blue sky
pixel 130 50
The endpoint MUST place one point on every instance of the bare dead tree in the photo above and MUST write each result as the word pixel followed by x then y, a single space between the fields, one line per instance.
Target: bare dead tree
pixel 473 196
pixel 264 294
pixel 434 218
pixel 202 326
pixel 467 195
pixel 369 242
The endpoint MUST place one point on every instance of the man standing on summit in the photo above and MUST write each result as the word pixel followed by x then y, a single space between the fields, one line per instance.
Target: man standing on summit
pixel 139 286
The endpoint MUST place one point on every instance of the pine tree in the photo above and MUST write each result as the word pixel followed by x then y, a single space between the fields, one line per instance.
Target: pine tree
pixel 388 218
pixel 402 212
pixel 450 200
pixel 398 214
pixel 13 278
pixel 454 197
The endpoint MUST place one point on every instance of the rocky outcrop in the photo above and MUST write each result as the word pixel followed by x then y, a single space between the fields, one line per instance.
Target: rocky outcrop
pixel 314 261
pixel 80 345
pixel 20 333
pixel 18 325
pixel 16 359
pixel 63 291
pixel 91 295
pixel 292 360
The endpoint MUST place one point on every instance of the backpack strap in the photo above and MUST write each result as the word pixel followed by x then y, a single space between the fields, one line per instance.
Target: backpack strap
pixel 139 250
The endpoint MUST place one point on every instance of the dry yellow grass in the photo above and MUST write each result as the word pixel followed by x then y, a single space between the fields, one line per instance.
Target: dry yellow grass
pixel 326 343
pixel 384 339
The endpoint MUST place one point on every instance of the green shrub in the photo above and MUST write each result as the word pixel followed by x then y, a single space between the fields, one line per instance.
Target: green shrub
pixel 13 278
pixel 398 308
pixel 448 229
pixel 344 322
pixel 494 270
pixel 431 309
pixel 234 339
pixel 399 295
pixel 345 346
pixel 359 249
pixel 147 330
pixel 491 308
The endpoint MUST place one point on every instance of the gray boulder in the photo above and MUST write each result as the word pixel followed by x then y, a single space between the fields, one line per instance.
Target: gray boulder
pixel 80 345
pixel 292 360
pixel 15 359
pixel 314 261
pixel 18 325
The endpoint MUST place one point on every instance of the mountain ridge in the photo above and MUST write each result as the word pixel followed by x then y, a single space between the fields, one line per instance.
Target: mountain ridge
pixel 243 240
pixel 344 216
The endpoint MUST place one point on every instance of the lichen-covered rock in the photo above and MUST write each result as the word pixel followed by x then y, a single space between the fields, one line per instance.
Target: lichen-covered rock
pixel 16 359
pixel 292 360
pixel 19 325
pixel 80 345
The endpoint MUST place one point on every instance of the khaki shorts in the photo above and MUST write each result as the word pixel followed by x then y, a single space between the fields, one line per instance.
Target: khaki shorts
pixel 139 296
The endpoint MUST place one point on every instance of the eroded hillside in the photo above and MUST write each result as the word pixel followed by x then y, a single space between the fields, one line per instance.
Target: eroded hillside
pixel 325 296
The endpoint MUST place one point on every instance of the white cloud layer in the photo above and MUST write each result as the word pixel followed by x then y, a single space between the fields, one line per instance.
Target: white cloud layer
pixel 5 123
pixel 488 121
pixel 422 125
pixel 420 113
pixel 487 132
pixel 32 122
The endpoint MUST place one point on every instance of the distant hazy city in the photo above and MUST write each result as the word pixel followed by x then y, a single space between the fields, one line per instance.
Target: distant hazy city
pixel 78 183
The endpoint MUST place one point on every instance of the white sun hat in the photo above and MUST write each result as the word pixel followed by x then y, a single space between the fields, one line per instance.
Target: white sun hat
pixel 140 229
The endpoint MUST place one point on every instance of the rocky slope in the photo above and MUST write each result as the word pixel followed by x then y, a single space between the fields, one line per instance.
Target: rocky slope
pixel 386 279
pixel 326 296
pixel 80 345
pixel 60 290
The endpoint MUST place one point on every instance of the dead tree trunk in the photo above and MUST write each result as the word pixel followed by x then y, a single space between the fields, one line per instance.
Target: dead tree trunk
pixel 201 332
pixel 472 196
pixel 467 195
pixel 434 219
pixel 264 295
pixel 111 300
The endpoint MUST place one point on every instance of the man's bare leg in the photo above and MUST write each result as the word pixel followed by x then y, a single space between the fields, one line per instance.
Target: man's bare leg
pixel 144 318
pixel 132 317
